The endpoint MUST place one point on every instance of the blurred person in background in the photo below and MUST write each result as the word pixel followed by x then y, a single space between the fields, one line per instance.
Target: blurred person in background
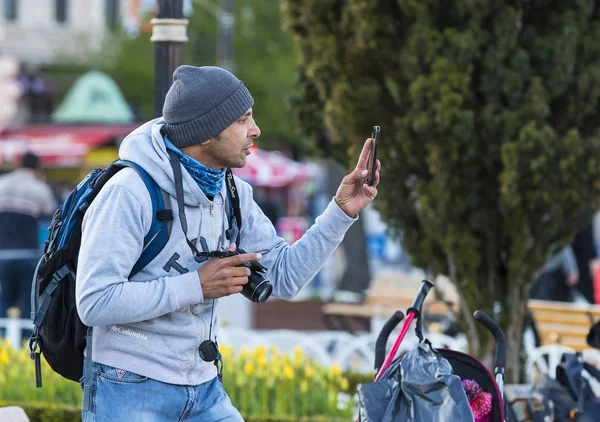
pixel 558 279
pixel 268 207
pixel 586 247
pixel 24 199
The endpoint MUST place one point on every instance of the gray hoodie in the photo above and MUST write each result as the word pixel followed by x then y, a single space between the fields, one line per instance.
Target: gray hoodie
pixel 153 323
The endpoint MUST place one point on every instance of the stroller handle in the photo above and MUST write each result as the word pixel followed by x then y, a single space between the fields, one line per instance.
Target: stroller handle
pixel 383 337
pixel 413 312
pixel 418 303
pixel 493 327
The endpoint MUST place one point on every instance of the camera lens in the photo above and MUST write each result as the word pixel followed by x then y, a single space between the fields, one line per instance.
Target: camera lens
pixel 263 292
pixel 258 289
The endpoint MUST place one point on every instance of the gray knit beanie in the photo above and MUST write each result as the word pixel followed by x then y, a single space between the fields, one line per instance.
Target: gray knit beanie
pixel 202 102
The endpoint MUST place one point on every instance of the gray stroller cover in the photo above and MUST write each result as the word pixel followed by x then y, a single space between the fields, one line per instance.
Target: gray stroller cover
pixel 418 387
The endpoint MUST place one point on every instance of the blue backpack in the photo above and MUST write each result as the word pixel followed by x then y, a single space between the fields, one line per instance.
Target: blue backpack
pixel 58 332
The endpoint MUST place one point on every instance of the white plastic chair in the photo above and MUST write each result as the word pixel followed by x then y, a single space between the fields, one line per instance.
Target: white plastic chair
pixel 545 359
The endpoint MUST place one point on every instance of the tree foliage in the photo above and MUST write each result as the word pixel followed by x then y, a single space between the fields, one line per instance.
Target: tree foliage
pixel 265 59
pixel 489 116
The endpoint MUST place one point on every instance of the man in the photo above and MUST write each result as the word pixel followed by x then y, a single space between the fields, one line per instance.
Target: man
pixel 24 199
pixel 148 329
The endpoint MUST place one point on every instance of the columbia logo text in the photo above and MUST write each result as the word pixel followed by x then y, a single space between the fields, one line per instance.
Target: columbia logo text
pixel 128 332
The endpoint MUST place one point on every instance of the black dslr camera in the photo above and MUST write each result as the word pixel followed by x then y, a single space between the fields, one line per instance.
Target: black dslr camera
pixel 258 289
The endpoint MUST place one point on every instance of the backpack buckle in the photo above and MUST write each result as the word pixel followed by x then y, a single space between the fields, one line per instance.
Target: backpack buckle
pixel 34 342
pixel 34 354
pixel 164 215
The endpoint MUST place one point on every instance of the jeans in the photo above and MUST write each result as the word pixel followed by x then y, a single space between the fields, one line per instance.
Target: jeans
pixel 15 285
pixel 119 396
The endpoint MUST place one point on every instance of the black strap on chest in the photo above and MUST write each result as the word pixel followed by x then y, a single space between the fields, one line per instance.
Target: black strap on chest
pixel 234 201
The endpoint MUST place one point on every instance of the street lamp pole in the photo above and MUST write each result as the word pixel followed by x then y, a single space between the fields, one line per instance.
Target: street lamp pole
pixel 224 14
pixel 169 33
pixel 225 39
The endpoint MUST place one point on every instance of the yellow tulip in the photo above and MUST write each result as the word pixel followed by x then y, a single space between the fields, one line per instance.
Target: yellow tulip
pixel 274 360
pixel 275 371
pixel 288 372
pixel 3 357
pixel 262 361
pixel 226 351
pixel 336 370
pixel 298 354
pixel 23 358
pixel 286 359
pixel 308 371
pixel 6 345
pixel 249 368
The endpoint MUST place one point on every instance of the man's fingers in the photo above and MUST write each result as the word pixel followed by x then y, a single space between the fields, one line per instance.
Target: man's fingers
pixel 235 272
pixel 232 247
pixel 236 284
pixel 364 155
pixel 234 261
pixel 370 191
pixel 361 174
pixel 234 289
pixel 239 281
pixel 376 182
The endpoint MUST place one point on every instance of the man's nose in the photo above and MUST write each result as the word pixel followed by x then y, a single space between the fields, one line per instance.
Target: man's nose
pixel 254 132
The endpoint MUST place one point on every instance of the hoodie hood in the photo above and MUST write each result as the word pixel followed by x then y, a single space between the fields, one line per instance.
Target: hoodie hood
pixel 145 146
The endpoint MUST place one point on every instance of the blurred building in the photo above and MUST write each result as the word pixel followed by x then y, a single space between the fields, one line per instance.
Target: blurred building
pixel 51 40
pixel 40 32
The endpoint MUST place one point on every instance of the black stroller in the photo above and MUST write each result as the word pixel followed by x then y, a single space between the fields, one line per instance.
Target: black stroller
pixel 382 400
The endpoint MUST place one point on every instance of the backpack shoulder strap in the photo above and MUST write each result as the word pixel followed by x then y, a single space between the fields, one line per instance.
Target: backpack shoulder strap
pixel 160 229
pixel 592 370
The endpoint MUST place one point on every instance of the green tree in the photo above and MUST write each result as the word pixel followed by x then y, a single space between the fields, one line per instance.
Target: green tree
pixel 490 145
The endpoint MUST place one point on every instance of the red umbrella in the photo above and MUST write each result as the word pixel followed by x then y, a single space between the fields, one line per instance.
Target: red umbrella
pixel 272 169
pixel 58 145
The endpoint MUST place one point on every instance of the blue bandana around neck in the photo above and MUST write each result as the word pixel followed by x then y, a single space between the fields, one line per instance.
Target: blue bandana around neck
pixel 210 181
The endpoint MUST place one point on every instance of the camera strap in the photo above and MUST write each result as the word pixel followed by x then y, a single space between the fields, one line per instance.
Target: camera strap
pixel 235 204
pixel 209 349
pixel 176 166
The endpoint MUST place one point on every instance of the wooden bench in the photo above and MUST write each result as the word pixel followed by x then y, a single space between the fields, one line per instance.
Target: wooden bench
pixel 387 294
pixel 567 324
pixel 562 323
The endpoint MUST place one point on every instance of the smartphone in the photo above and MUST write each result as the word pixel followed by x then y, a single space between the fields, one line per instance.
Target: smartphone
pixel 372 160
